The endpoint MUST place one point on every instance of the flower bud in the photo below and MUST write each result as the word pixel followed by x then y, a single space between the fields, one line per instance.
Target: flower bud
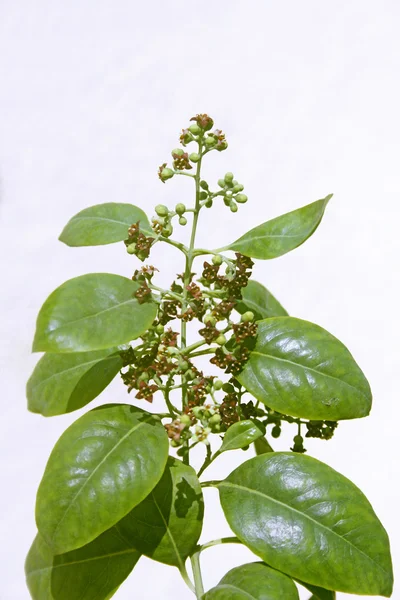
pixel 174 443
pixel 217 259
pixel 203 195
pixel 161 210
pixel 210 141
pixel 180 208
pixel 218 384
pixel 182 221
pixel 167 231
pixel 247 317
pixel 222 146
pixel 221 183
pixel 160 328
pixel 215 419
pixel 166 174
pixel 197 411
pixel 195 129
pixel 184 366
pixel 221 340
pixel 241 198
pixel 276 431
pixel 238 187
pixel 194 157
pixel 131 249
pixel 185 419
pixel 177 152
pixel 171 350
pixel 209 319
pixel 228 177
pixel 203 185
pixel 233 207
pixel 189 375
pixel 208 204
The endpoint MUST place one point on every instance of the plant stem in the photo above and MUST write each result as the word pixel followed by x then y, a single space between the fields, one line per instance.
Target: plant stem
pixel 209 459
pixel 186 578
pixel 198 581
pixel 225 540
pixel 186 279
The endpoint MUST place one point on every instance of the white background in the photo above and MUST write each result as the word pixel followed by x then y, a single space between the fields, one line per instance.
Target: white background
pixel 93 97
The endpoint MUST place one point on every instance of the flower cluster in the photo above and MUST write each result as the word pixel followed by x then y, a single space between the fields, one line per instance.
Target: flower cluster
pixel 138 243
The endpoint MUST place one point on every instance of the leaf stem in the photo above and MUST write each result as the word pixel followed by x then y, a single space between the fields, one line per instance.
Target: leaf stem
pixel 198 581
pixel 186 578
pixel 213 483
pixel 225 540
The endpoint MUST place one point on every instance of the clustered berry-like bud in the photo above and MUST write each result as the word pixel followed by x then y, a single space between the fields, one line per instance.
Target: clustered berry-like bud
pixel 165 173
pixel 203 121
pixel 231 192
pixel 298 445
pixel 321 429
pixel 137 243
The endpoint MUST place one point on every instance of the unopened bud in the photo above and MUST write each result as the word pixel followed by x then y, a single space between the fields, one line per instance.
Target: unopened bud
pixel 210 141
pixel 203 195
pixel 194 157
pixel 221 340
pixel 208 204
pixel 209 319
pixel 204 185
pixel 166 174
pixel 241 198
pixel 217 259
pixel 177 152
pixel 180 208
pixel 218 384
pixel 160 328
pixel 228 177
pixel 131 249
pixel 195 129
pixel 238 187
pixel 221 183
pixel 185 419
pixel 233 207
pixel 215 419
pixel 168 230
pixel 182 221
pixel 247 317
pixel 161 210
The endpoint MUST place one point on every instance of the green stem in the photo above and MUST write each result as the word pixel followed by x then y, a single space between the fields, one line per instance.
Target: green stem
pixel 201 352
pixel 198 581
pixel 186 579
pixel 214 483
pixel 225 540
pixel 178 245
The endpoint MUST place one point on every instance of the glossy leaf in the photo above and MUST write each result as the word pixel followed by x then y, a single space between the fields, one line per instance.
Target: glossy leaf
pixel 92 312
pixel 282 234
pixel 308 521
pixel 61 383
pixel 254 581
pixel 102 466
pixel 103 224
pixel 167 524
pixel 262 446
pixel 299 369
pixel 93 572
pixel 241 434
pixel 257 299
pixel 318 593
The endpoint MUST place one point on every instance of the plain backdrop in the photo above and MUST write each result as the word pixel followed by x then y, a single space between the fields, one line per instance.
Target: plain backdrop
pixel 93 97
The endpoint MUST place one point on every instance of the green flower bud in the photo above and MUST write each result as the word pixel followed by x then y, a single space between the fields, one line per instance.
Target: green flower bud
pixel 222 146
pixel 209 319
pixel 166 174
pixel 208 204
pixel 215 419
pixel 221 340
pixel 160 328
pixel 184 366
pixel 228 388
pixel 203 195
pixel 168 230
pixel 228 177
pixel 221 183
pixel 175 443
pixel 189 375
pixel 161 210
pixel 185 419
pixel 233 207
pixel 218 384
pixel 131 249
pixel 298 440
pixel 143 376
pixel 241 198
pixel 247 317
pixel 197 411
pixel 238 187
pixel 180 208
pixel 194 157
pixel 171 350
pixel 177 152
pixel 210 141
pixel 195 129
pixel 204 185
pixel 276 431
pixel 217 259
pixel 182 221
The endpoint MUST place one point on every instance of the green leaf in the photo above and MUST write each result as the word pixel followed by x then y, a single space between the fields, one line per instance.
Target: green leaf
pixel 241 434
pixel 260 301
pixel 254 581
pixel 262 446
pixel 318 593
pixel 93 572
pixel 282 234
pixel 299 369
pixel 92 312
pixel 104 224
pixel 306 520
pixel 61 383
pixel 167 524
pixel 102 466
